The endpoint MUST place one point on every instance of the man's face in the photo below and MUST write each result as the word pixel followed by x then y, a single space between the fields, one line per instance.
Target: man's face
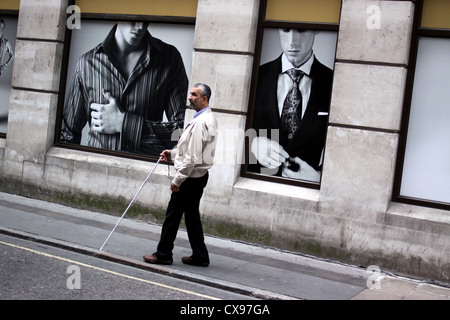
pixel 297 44
pixel 133 32
pixel 195 98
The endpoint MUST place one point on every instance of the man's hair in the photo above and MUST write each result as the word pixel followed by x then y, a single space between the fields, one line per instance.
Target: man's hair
pixel 206 90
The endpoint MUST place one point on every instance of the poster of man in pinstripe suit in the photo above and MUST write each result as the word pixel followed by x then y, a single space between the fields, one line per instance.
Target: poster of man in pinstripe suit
pixel 6 51
pixel 130 89
pixel 8 30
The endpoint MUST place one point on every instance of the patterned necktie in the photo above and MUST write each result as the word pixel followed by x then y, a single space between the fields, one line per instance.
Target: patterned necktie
pixel 290 115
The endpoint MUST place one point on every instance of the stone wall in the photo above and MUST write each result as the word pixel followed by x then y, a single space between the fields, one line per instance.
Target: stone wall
pixel 351 218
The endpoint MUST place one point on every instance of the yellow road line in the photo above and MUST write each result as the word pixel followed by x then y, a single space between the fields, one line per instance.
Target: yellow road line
pixel 107 271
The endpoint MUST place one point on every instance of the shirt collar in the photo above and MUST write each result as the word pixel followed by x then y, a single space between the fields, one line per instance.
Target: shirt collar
pixel 306 67
pixel 107 44
pixel 201 111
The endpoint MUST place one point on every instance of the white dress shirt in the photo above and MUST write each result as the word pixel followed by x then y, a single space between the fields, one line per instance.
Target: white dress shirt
pixel 194 154
pixel 285 82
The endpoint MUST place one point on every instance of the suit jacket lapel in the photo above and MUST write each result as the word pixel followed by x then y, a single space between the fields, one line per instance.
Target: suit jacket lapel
pixel 271 94
pixel 312 109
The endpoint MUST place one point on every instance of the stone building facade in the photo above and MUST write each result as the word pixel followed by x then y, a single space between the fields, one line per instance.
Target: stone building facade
pixel 356 214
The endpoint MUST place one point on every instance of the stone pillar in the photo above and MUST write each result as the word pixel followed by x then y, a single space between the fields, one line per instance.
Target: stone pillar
pixel 369 79
pixel 224 42
pixel 36 74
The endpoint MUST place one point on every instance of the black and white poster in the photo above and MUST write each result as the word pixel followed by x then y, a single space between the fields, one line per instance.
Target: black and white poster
pixel 127 85
pixel 293 93
pixel 8 31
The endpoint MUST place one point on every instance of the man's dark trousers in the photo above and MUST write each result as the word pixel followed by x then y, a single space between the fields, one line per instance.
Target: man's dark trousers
pixel 187 201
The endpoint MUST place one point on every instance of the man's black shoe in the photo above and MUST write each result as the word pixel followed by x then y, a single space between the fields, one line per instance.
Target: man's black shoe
pixel 191 261
pixel 151 258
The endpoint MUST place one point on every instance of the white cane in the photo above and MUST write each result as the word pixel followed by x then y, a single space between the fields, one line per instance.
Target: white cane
pixel 135 196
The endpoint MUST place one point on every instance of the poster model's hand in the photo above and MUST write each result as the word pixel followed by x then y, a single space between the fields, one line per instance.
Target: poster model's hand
pixel 304 172
pixel 269 153
pixel 107 118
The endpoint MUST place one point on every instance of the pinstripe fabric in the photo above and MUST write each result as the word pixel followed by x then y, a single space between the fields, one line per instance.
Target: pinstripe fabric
pixel 158 83
pixel 6 54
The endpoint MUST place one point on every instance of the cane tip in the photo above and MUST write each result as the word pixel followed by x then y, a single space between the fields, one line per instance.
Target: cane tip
pixel 97 253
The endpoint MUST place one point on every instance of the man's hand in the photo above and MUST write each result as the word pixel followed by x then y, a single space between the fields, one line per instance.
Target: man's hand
pixel 269 153
pixel 305 171
pixel 107 118
pixel 174 188
pixel 165 155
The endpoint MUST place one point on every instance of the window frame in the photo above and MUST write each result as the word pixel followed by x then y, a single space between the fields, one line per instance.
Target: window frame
pixel 264 23
pixel 64 72
pixel 417 33
pixel 14 14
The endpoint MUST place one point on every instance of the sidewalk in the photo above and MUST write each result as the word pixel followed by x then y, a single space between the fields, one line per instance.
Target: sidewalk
pixel 253 270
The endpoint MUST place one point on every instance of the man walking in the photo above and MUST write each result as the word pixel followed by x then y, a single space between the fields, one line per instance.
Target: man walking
pixel 193 157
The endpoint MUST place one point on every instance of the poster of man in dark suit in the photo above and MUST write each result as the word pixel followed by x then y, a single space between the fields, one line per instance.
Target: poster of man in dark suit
pixel 291 112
